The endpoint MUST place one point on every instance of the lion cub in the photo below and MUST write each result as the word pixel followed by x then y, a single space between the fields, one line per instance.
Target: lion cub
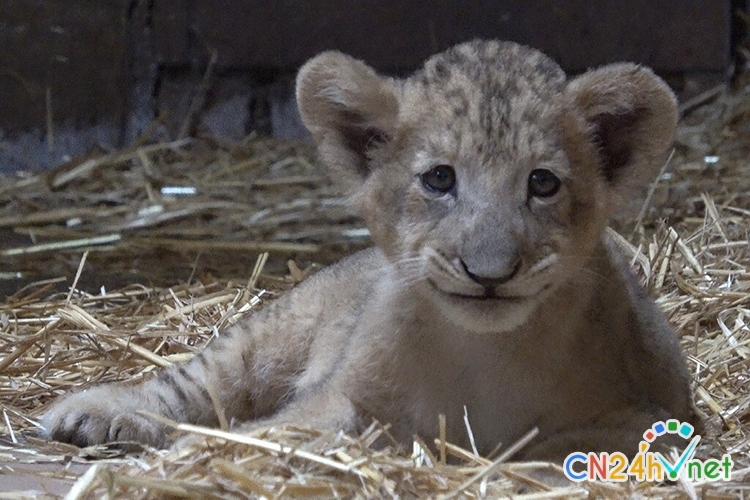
pixel 486 179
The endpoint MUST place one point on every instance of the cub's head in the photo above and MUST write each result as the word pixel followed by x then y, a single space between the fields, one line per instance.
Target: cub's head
pixel 487 177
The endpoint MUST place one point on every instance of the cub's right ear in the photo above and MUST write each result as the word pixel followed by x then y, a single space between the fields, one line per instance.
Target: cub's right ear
pixel 349 109
pixel 631 115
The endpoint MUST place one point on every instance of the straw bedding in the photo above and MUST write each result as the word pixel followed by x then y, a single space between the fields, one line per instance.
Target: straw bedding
pixel 133 260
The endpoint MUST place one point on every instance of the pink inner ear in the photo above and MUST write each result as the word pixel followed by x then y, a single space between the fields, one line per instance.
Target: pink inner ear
pixel 359 140
pixel 615 136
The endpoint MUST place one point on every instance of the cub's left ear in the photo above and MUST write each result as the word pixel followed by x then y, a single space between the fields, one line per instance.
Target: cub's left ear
pixel 349 109
pixel 631 116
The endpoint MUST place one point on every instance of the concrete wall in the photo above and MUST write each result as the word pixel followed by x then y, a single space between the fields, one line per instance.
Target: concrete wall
pixel 75 74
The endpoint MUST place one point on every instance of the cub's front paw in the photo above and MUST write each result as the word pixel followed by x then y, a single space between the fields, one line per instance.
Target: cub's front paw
pixel 100 415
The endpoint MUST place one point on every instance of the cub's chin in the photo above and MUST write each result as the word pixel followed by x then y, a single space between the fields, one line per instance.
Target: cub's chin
pixel 482 314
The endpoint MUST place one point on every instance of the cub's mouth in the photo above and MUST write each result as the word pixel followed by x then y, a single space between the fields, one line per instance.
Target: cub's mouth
pixel 451 280
pixel 488 296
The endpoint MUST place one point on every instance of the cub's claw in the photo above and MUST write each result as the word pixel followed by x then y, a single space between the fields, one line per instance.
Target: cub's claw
pixel 96 417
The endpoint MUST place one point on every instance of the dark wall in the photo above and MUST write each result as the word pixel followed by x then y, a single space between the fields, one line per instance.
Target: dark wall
pixel 668 35
pixel 76 73
pixel 76 49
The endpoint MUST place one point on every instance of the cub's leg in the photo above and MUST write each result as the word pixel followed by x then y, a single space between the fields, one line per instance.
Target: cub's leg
pixel 324 409
pixel 252 369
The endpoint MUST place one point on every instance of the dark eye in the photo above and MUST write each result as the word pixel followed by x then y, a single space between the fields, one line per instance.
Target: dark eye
pixel 543 183
pixel 440 178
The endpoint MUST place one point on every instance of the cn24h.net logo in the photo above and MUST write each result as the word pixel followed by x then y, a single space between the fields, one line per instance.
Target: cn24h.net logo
pixel 647 465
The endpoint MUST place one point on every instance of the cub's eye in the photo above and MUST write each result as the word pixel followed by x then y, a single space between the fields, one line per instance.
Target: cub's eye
pixel 440 178
pixel 543 183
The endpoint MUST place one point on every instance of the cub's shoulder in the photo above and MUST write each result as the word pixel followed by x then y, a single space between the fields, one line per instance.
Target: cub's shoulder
pixel 344 285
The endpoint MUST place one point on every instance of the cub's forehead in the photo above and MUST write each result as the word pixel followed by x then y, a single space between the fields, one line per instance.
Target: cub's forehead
pixel 486 94
pixel 500 65
pixel 487 73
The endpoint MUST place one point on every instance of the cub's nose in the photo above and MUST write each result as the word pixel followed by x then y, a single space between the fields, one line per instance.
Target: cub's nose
pixel 490 282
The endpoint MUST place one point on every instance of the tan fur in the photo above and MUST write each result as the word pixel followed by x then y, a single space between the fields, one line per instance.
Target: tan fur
pixel 562 338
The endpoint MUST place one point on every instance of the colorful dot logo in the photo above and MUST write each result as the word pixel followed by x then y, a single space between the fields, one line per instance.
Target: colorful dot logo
pixel 683 429
pixel 650 466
